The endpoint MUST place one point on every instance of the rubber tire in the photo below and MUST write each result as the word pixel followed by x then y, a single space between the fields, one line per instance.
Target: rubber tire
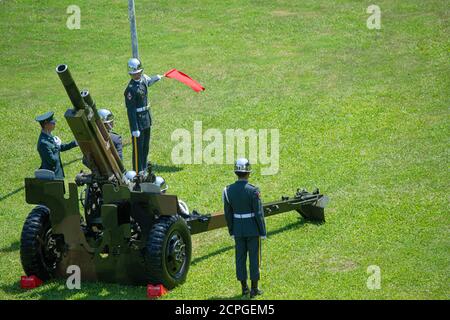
pixel 36 224
pixel 156 248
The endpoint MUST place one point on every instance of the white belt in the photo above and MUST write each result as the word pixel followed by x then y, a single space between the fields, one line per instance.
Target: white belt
pixel 244 215
pixel 142 109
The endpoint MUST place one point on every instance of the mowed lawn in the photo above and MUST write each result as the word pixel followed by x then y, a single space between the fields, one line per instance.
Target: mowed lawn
pixel 362 114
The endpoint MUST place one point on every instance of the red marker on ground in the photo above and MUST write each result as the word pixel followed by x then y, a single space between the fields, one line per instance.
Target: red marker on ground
pixel 30 282
pixel 156 291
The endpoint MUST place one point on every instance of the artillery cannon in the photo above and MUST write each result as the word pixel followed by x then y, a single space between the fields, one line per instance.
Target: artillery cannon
pixel 134 233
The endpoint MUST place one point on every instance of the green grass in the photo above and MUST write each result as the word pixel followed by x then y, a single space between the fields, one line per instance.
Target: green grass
pixel 363 114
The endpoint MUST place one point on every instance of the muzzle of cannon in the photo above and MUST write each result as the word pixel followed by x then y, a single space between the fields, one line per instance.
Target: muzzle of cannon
pixel 71 88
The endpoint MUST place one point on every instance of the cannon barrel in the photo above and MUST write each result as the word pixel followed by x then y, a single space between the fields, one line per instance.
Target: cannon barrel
pixel 90 132
pixel 71 88
pixel 90 102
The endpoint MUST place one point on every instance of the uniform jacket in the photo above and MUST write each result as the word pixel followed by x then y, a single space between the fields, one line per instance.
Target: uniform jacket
pixel 136 96
pixel 242 197
pixel 117 141
pixel 50 153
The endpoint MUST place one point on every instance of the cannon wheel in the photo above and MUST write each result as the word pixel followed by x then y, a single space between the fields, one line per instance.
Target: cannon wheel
pixel 38 253
pixel 168 252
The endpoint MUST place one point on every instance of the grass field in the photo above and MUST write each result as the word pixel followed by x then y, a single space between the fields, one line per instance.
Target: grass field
pixel 362 114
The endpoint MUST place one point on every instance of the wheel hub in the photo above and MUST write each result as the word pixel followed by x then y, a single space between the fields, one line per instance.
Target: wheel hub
pixel 176 255
pixel 50 252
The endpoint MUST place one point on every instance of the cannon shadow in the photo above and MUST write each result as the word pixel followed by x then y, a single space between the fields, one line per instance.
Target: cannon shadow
pixel 12 247
pixel 57 290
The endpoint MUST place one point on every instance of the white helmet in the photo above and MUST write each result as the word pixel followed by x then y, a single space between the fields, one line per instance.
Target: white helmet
pixel 159 181
pixel 107 118
pixel 242 165
pixel 130 175
pixel 134 66
pixel 106 115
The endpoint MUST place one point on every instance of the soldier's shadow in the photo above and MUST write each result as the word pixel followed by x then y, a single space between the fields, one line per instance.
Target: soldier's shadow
pixel 162 168
pixel 11 193
pixel 14 246
pixel 292 226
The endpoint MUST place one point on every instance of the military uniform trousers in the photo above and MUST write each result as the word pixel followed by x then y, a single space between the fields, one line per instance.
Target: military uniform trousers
pixel 251 247
pixel 141 148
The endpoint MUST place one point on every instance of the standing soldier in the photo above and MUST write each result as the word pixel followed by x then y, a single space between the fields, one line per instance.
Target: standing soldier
pixel 49 146
pixel 245 219
pixel 138 109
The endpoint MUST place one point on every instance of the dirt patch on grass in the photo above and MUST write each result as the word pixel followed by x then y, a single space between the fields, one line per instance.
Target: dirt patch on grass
pixel 340 264
pixel 283 13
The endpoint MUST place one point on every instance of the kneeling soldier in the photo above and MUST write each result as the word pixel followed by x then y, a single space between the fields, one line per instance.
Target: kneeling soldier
pixel 108 120
pixel 245 219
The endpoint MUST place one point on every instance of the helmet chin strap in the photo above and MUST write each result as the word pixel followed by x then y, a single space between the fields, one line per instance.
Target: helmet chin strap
pixel 108 126
pixel 138 79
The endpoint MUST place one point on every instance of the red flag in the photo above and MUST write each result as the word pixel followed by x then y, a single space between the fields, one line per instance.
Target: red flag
pixel 180 76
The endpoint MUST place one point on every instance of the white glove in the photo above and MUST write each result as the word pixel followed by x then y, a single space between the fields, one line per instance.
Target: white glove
pixel 57 141
pixel 160 76
pixel 232 237
pixel 264 237
pixel 76 142
pixel 136 133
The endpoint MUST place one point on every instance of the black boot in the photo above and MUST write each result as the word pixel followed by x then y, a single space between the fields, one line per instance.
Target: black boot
pixel 255 291
pixel 245 290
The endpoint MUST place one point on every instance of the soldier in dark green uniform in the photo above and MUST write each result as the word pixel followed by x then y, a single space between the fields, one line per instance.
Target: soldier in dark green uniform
pixel 245 219
pixel 138 110
pixel 49 146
